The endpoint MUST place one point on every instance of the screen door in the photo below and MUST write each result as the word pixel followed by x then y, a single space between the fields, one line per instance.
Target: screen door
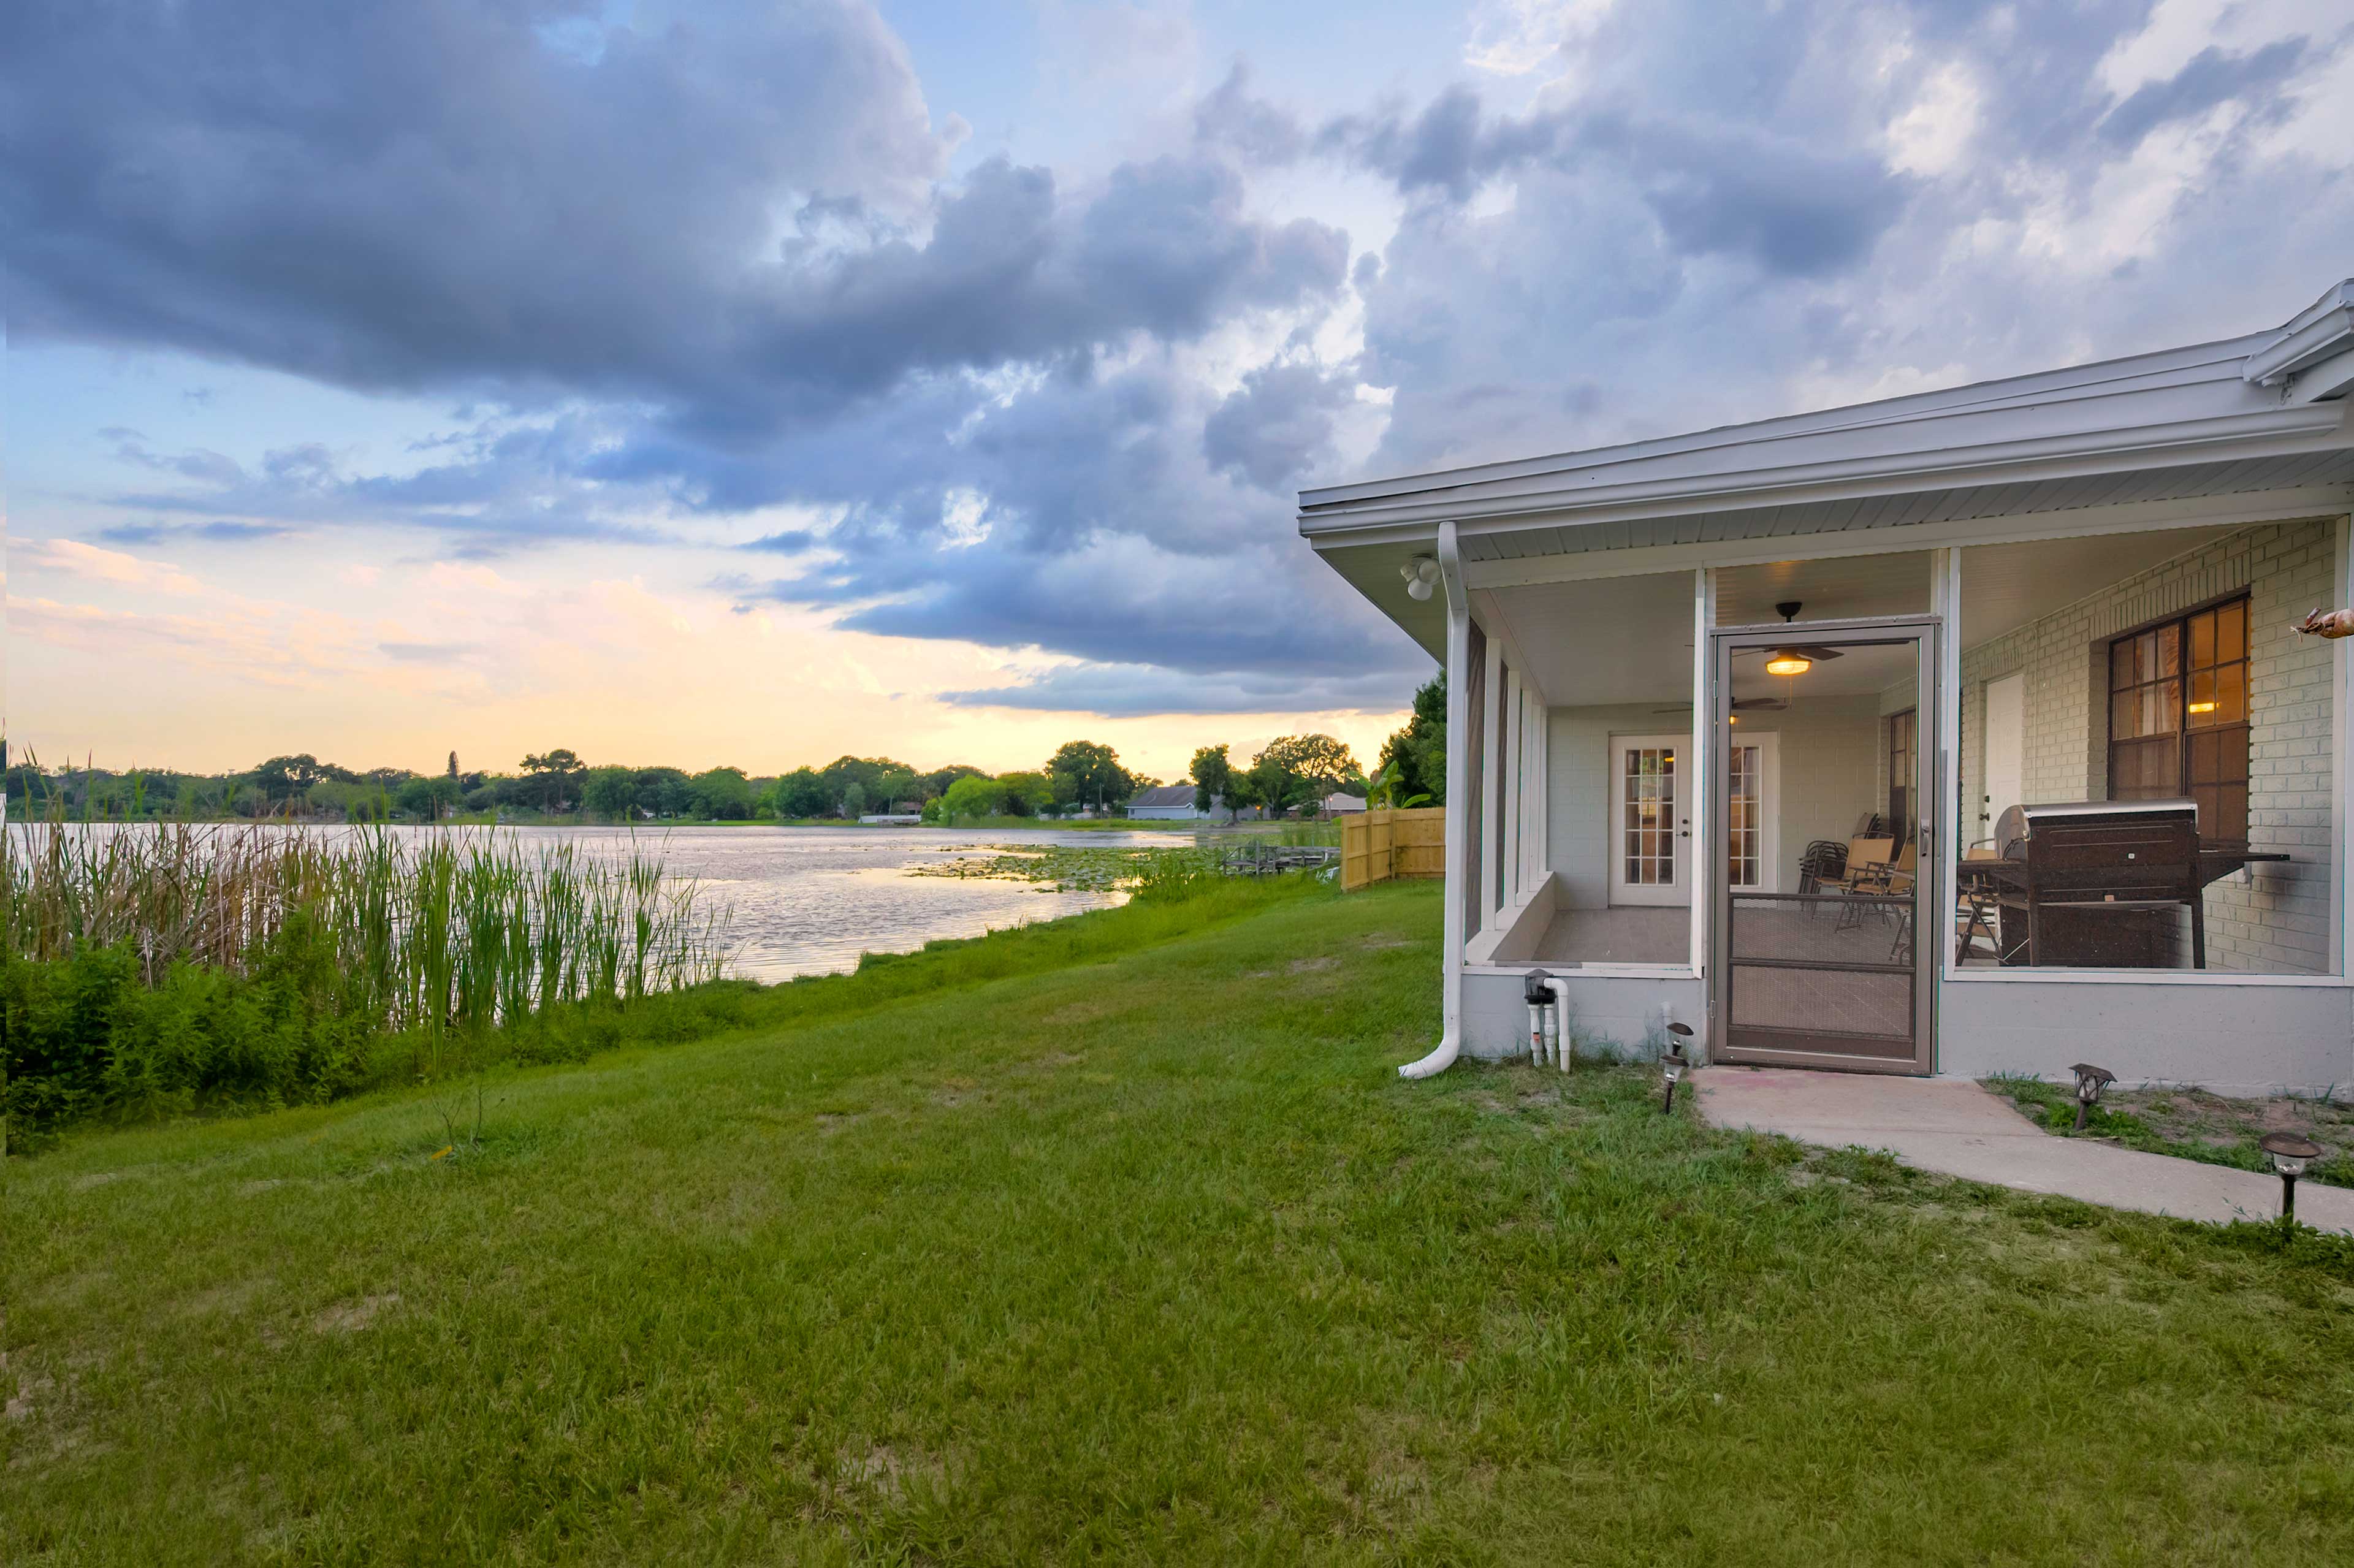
pixel 1827 945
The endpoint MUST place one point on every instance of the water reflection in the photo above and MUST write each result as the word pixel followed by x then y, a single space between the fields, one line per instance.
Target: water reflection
pixel 811 900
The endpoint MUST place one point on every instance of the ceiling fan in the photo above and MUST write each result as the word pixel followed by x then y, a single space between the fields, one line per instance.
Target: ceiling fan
pixel 1795 659
pixel 1740 705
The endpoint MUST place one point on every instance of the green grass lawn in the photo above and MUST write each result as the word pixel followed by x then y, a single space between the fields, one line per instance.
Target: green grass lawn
pixel 1145 1256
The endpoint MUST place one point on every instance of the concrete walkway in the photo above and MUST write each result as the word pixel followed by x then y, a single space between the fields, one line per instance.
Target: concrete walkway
pixel 1952 1125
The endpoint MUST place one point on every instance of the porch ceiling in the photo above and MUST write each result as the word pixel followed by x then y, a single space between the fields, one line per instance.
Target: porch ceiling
pixel 1627 640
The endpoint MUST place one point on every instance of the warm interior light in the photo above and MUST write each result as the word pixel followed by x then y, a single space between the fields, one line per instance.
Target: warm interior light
pixel 1733 719
pixel 2203 707
pixel 1788 663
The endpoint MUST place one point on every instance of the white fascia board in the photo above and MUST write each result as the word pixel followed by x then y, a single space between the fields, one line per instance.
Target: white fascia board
pixel 2276 432
pixel 2303 502
pixel 2321 331
pixel 2170 367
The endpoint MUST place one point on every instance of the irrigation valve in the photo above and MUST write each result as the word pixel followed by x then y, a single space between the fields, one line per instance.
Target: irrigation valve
pixel 1533 992
pixel 2090 1082
pixel 2290 1152
pixel 1672 1065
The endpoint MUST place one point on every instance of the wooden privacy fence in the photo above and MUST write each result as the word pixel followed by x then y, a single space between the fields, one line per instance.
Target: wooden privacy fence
pixel 1378 845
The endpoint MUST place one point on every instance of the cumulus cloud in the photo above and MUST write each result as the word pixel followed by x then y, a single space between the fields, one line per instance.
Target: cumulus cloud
pixel 1150 690
pixel 712 285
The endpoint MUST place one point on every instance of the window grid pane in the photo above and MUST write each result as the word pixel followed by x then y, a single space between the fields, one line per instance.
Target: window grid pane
pixel 2177 725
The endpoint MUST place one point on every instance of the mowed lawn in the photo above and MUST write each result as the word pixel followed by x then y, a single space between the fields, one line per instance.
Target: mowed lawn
pixel 1148 1259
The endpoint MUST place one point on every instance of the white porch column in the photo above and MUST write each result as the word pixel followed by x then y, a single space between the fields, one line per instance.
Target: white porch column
pixel 1946 767
pixel 2342 799
pixel 1708 866
pixel 1507 804
pixel 1538 833
pixel 1491 734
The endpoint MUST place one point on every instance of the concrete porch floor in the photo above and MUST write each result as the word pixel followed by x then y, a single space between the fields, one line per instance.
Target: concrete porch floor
pixel 1953 1127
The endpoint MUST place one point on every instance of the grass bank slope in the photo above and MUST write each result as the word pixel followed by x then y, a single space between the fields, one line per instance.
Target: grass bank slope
pixel 1148 1256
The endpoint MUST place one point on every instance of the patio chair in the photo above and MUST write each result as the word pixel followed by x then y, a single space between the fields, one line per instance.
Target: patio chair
pixel 1867 872
pixel 1975 903
pixel 1824 864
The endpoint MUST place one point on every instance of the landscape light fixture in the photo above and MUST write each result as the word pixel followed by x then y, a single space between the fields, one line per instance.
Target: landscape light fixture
pixel 1421 574
pixel 1672 1065
pixel 2090 1082
pixel 2291 1152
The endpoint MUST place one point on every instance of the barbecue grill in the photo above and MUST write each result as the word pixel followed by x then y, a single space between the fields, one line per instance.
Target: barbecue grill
pixel 2099 882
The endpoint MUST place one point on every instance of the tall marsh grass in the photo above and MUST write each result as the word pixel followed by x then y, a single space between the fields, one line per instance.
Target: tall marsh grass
pixel 430 928
pixel 157 969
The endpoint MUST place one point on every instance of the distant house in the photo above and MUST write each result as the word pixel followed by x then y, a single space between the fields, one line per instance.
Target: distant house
pixel 1336 804
pixel 1165 803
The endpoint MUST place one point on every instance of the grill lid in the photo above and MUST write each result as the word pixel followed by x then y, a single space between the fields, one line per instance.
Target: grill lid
pixel 2013 828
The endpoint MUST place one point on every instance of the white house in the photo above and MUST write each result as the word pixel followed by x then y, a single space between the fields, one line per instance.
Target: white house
pixel 1339 803
pixel 1763 728
pixel 1165 803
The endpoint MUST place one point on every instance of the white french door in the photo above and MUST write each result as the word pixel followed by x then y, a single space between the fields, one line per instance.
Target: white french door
pixel 1651 820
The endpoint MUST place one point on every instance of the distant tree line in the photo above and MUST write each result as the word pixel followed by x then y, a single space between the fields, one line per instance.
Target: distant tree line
pixel 1290 774
pixel 558 785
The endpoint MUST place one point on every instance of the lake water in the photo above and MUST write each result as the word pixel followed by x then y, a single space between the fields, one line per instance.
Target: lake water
pixel 811 900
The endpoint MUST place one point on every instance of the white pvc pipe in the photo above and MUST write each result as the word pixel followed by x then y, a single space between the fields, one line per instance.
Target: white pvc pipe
pixel 1560 989
pixel 1536 1035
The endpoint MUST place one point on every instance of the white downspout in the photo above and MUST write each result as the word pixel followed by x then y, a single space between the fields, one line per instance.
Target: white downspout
pixel 1461 866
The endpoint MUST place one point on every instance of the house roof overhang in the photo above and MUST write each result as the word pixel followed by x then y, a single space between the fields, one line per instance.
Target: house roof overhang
pixel 2267 411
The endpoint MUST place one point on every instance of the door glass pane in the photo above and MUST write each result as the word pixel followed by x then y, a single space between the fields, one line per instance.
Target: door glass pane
pixel 1744 817
pixel 1650 802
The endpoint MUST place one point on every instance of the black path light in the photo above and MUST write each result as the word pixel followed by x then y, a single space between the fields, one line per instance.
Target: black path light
pixel 2291 1152
pixel 1672 1065
pixel 2090 1082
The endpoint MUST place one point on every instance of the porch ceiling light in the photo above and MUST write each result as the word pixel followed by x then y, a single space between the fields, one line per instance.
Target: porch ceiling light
pixel 1788 661
pixel 2090 1082
pixel 1421 574
pixel 2291 1152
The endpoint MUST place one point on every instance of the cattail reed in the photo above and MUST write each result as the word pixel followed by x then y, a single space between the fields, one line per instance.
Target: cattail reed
pixel 432 930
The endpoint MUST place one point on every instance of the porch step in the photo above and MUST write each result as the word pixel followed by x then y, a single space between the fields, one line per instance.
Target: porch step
pixel 1954 1126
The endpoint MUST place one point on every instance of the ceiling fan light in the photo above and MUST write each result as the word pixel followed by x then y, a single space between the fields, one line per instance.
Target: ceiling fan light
pixel 1788 661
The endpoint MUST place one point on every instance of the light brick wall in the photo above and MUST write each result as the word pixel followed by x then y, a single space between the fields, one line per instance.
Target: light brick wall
pixel 2279 923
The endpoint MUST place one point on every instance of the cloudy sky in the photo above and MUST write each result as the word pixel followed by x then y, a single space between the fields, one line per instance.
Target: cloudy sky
pixel 751 382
